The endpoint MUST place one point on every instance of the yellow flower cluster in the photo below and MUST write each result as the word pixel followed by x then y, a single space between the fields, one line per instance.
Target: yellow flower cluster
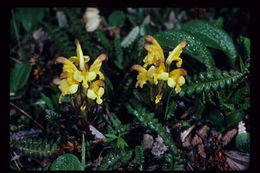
pixel 76 72
pixel 159 68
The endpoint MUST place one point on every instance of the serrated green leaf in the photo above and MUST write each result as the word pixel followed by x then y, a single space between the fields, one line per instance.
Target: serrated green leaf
pixel 212 36
pixel 66 162
pixel 19 76
pixel 196 48
pixel 139 155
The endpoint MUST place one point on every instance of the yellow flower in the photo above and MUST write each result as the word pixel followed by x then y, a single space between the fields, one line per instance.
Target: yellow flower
pixel 142 76
pixel 155 52
pixel 96 91
pixel 72 76
pixel 159 96
pixel 90 75
pixel 158 73
pixel 159 68
pixel 176 79
pixel 70 79
pixel 174 55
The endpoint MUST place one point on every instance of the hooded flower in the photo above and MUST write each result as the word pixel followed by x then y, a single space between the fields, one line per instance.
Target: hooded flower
pixel 159 69
pixel 75 72
pixel 96 91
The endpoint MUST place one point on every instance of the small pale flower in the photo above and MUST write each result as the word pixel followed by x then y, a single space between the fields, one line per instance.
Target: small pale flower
pixel 92 19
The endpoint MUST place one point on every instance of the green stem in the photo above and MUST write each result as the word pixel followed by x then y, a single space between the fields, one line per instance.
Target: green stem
pixel 167 104
pixel 17 33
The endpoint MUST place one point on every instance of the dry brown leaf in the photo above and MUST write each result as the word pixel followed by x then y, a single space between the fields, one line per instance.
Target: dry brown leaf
pixel 228 137
pixel 186 136
pixel 203 132
pixel 201 150
pixel 187 141
pixel 196 140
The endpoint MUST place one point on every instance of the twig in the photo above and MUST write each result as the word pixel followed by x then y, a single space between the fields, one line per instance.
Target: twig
pixel 26 114
pixel 16 60
pixel 190 111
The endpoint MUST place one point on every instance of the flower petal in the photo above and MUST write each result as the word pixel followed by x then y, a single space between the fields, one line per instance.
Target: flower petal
pixel 171 83
pixel 77 76
pixel 73 88
pixel 91 94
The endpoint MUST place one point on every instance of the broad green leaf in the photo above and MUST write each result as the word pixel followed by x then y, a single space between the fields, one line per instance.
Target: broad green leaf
pixel 212 36
pixel 29 17
pixel 234 118
pixel 19 76
pixel 242 142
pixel 196 48
pixel 116 18
pixel 66 162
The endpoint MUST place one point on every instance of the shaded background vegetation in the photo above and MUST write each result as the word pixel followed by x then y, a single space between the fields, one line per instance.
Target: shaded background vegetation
pixel 39 35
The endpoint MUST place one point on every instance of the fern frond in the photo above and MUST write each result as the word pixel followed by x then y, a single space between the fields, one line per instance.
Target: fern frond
pixel 139 155
pixel 104 41
pixel 130 38
pixel 115 159
pixel 37 147
pixel 147 119
pixel 60 39
pixel 210 80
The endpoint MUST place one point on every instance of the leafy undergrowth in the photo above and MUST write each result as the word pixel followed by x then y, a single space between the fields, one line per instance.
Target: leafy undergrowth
pixel 203 126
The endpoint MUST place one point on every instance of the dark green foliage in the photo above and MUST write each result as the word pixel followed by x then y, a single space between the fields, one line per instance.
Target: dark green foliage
pixel 116 18
pixel 212 36
pixel 118 53
pixel 104 41
pixel 78 31
pixel 210 81
pixel 224 122
pixel 61 40
pixel 37 147
pixel 243 142
pixel 19 76
pixel 66 162
pixel 30 17
pixel 215 93
pixel 196 48
pixel 115 159
pixel 147 119
pixel 47 101
pixel 139 155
